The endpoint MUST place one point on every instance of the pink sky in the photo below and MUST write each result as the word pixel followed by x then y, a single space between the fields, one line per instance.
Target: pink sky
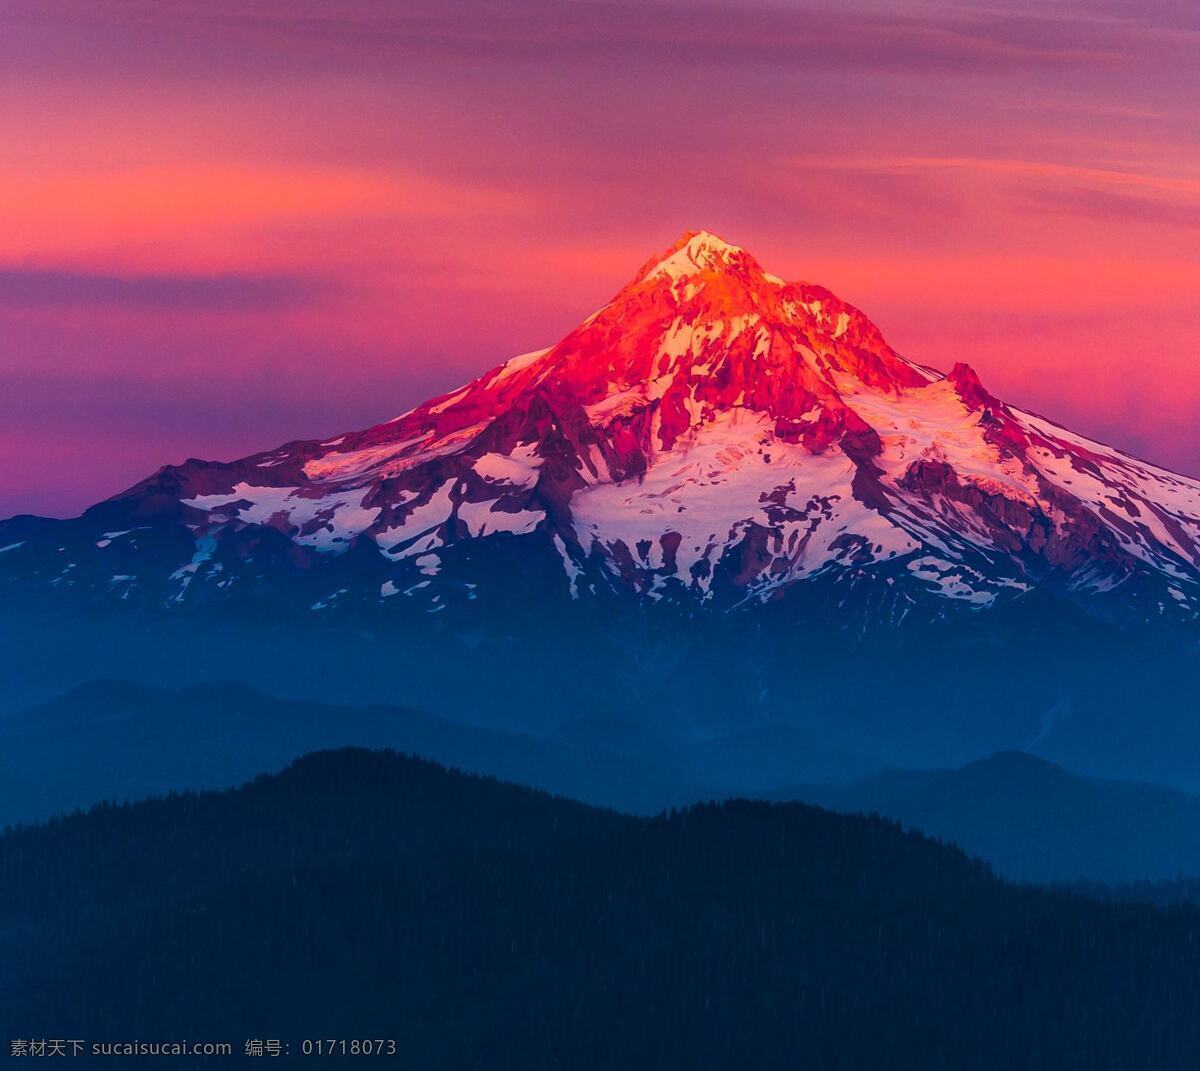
pixel 225 224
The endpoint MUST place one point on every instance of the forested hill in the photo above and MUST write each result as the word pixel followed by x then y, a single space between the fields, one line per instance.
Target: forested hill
pixel 367 894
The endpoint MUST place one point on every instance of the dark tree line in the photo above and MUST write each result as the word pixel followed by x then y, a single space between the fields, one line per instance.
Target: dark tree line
pixel 484 925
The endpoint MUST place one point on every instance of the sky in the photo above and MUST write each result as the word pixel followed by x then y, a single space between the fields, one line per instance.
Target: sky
pixel 226 224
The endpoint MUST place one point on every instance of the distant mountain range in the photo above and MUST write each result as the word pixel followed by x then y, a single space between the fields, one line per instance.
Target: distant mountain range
pixel 475 924
pixel 1027 818
pixel 114 740
pixel 1032 820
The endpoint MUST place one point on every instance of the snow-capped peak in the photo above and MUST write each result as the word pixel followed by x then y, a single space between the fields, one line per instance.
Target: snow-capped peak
pixel 696 251
pixel 712 432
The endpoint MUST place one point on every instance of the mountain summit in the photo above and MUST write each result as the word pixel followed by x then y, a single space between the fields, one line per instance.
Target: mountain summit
pixel 713 435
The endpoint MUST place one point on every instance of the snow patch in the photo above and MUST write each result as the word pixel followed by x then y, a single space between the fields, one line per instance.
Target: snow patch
pixel 572 569
pixel 421 518
pixel 518 468
pixel 516 364
pixel 442 406
pixel 483 519
pixel 327 522
pixel 709 494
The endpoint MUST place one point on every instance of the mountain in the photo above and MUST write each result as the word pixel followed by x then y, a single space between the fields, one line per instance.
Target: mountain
pixel 722 508
pixel 366 895
pixel 121 740
pixel 1032 820
pixel 1029 819
pixel 713 436
pixel 117 740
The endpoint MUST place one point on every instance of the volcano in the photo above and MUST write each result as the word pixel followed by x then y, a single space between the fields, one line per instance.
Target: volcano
pixel 713 438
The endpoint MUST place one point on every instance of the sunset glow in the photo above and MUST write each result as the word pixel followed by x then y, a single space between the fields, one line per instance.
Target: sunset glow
pixel 231 224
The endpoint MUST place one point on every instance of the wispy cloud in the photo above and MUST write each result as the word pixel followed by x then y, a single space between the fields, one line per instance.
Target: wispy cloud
pixel 86 208
pixel 1114 206
pixel 59 287
pixel 1124 195
pixel 1001 166
pixel 961 37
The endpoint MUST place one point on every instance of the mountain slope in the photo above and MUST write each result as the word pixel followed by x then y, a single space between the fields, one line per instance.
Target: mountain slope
pixel 1032 820
pixel 713 435
pixel 1025 817
pixel 118 740
pixel 352 895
